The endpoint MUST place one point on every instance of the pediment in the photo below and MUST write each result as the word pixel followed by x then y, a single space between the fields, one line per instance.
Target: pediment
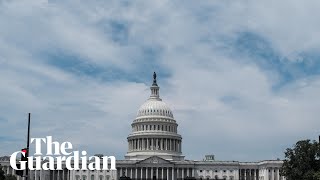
pixel 154 160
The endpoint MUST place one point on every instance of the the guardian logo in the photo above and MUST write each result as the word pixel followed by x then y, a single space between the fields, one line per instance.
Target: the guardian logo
pixel 62 154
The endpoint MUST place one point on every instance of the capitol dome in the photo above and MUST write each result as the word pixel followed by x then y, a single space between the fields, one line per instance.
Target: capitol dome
pixel 154 130
pixel 154 107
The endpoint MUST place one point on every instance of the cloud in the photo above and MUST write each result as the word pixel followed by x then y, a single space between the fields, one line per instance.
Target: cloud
pixel 241 77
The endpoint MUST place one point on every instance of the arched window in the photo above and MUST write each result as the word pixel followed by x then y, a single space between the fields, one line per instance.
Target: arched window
pixel 101 177
pixel 84 177
pixel 92 177
pixel 107 177
pixel 77 177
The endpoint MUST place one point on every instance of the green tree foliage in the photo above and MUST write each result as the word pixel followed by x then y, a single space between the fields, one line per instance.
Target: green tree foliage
pixel 302 161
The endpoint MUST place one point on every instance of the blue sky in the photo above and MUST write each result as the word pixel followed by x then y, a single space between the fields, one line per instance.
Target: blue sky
pixel 242 77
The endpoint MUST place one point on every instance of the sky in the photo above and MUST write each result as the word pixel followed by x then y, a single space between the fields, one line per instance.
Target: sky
pixel 241 77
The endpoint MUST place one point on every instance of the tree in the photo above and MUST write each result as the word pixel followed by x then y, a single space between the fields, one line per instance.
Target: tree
pixel 302 161
pixel 2 176
pixel 11 177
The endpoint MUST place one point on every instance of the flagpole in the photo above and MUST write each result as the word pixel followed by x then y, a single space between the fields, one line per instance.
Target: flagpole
pixel 27 155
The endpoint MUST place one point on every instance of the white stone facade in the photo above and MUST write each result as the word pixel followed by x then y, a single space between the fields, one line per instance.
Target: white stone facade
pixel 155 152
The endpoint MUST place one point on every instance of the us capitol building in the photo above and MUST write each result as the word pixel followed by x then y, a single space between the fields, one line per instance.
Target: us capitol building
pixel 155 152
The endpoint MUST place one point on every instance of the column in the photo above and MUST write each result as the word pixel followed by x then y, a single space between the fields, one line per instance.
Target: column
pixel 245 174
pixel 162 173
pixel 157 172
pixel 166 143
pixel 178 146
pixel 35 174
pixel 188 174
pixel 148 144
pixel 277 174
pixel 141 174
pixel 151 172
pixel 157 143
pixel 136 175
pixel 193 172
pixel 53 175
pixel 131 173
pixel 172 173
pixel 167 173
pixel 272 174
pixel 63 174
pixel 182 172
pixel 177 173
pixel 132 144
pixel 120 172
pixel 267 174
pixel 146 173
pixel 152 144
